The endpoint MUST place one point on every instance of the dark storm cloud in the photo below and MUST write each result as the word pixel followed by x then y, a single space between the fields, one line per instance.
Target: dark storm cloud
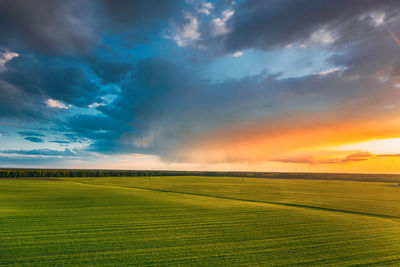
pixel 369 56
pixel 42 78
pixel 64 30
pixel 128 13
pixel 104 131
pixel 160 103
pixel 74 26
pixel 147 114
pixel 270 24
pixel 111 70
pixel 30 107
pixel 46 25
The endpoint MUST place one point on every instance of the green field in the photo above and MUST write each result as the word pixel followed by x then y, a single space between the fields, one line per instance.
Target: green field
pixel 198 221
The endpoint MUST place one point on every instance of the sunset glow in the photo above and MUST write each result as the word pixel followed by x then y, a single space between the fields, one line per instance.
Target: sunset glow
pixel 383 146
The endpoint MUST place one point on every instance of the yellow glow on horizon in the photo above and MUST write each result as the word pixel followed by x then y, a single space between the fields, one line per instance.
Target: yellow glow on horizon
pixel 381 146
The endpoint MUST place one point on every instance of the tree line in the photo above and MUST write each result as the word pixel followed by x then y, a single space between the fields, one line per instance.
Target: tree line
pixel 31 173
pixel 37 173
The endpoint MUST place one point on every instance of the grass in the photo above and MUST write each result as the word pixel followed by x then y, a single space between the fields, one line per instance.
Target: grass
pixel 198 221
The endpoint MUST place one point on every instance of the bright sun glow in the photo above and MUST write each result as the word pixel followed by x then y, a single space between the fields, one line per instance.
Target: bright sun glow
pixel 383 146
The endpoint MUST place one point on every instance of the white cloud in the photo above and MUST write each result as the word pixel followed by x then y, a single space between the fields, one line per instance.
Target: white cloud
pixel 219 24
pixel 188 34
pixel 323 36
pixel 6 56
pixel 378 18
pixel 95 105
pixel 10 55
pixel 237 54
pixel 326 72
pixel 56 104
pixel 206 8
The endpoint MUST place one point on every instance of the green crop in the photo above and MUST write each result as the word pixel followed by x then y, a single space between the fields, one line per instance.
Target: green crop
pixel 202 221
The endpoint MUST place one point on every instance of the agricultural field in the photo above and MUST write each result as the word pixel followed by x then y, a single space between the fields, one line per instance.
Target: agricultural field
pixel 207 221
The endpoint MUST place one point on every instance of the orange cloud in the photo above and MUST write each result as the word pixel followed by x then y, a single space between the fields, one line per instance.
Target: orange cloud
pixel 328 158
pixel 332 157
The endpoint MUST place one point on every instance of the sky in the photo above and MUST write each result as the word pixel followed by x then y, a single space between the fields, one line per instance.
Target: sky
pixel 244 85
